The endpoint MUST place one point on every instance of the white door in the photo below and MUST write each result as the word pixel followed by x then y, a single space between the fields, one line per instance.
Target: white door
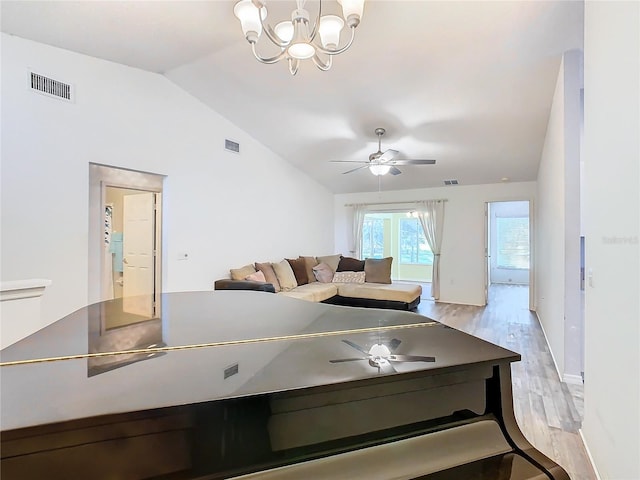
pixel 138 234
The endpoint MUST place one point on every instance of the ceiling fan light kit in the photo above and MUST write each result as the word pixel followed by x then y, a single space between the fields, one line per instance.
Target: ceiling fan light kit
pixel 297 39
pixel 381 163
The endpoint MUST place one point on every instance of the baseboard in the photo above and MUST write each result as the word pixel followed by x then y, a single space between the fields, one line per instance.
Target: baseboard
pixel 546 339
pixel 586 447
pixel 461 303
pixel 572 379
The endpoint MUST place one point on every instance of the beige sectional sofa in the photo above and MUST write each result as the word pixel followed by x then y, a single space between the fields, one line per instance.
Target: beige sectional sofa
pixel 333 279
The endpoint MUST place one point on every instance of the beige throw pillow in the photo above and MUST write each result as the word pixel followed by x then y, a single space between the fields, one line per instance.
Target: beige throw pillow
pixel 242 272
pixel 285 275
pixel 378 270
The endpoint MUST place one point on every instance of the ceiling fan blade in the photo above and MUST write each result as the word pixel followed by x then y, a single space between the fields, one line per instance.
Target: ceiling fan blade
pixel 357 347
pixel 386 367
pixel 355 169
pixel 341 360
pixel 411 162
pixel 387 155
pixel 348 161
pixel 395 171
pixel 410 358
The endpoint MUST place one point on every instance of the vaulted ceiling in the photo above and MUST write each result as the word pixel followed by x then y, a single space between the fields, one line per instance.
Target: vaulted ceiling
pixel 469 84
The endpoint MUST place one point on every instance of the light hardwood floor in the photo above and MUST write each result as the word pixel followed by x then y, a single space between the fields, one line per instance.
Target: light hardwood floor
pixel 547 413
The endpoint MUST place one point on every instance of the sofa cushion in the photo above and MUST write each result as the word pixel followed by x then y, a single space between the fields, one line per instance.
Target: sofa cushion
pixel 242 272
pixel 350 264
pixel 348 277
pixel 331 260
pixel 378 270
pixel 323 273
pixel 309 263
pixel 256 277
pixel 299 270
pixel 269 274
pixel 285 275
pixel 313 292
pixel 398 292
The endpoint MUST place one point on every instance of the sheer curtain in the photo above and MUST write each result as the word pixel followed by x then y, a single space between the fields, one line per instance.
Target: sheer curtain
pixel 359 212
pixel 431 216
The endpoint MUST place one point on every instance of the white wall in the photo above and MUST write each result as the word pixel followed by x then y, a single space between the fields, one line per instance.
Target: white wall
pixel 462 264
pixel 611 424
pixel 223 209
pixel 557 258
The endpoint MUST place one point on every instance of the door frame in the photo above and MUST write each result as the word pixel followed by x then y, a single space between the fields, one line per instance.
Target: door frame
pixel 487 255
pixel 103 176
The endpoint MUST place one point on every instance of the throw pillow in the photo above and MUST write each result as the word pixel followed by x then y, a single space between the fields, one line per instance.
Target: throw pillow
pixel 323 273
pixel 269 275
pixel 350 264
pixel 331 260
pixel 299 270
pixel 256 277
pixel 285 275
pixel 378 270
pixel 348 277
pixel 309 263
pixel 242 272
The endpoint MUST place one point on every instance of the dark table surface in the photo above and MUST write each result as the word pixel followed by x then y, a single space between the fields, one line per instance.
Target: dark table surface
pixel 101 360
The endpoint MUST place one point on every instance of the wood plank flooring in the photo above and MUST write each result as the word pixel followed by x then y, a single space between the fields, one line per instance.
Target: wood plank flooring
pixel 547 413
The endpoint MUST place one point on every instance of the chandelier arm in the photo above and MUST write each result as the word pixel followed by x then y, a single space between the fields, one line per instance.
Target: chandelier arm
pixel 294 63
pixel 271 34
pixel 338 50
pixel 274 59
pixel 324 66
pixel 316 25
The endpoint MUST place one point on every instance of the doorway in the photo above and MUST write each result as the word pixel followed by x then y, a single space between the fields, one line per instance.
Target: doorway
pixel 125 251
pixel 508 246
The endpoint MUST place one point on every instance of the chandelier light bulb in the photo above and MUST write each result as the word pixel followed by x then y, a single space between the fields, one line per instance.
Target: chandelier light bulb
pixel 352 11
pixel 329 30
pixel 284 30
pixel 249 17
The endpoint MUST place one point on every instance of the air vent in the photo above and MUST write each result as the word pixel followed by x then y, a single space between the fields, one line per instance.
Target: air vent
pixel 232 146
pixel 451 182
pixel 50 87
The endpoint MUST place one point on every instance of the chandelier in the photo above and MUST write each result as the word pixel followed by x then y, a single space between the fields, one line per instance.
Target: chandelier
pixel 298 39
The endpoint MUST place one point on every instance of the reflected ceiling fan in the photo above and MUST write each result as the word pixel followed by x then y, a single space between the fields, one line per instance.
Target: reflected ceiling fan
pixel 381 163
pixel 382 356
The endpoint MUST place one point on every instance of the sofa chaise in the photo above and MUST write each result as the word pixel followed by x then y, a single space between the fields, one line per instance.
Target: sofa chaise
pixel 332 279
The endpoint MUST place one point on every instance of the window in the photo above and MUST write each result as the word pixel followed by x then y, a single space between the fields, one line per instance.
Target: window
pixel 372 237
pixel 413 245
pixel 513 242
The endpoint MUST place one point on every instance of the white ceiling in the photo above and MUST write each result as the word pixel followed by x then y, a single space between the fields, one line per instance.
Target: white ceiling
pixel 467 83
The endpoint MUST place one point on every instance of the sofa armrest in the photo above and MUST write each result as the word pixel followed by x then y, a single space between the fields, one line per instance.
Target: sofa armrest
pixel 228 284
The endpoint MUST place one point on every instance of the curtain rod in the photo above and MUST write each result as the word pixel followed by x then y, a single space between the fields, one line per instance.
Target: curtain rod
pixel 394 203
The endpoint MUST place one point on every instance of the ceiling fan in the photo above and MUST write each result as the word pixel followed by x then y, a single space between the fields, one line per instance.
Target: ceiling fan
pixel 381 163
pixel 381 356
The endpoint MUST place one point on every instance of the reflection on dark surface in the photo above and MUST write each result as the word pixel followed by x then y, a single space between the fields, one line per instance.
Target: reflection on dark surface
pixel 112 329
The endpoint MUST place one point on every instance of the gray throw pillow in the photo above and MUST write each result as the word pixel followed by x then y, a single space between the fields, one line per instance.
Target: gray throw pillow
pixel 378 270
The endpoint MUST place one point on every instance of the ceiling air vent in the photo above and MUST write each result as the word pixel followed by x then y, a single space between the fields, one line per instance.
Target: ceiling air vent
pixel 50 87
pixel 232 146
pixel 451 182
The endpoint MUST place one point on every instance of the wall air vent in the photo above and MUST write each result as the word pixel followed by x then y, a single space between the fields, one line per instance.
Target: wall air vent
pixel 451 182
pixel 50 87
pixel 232 146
